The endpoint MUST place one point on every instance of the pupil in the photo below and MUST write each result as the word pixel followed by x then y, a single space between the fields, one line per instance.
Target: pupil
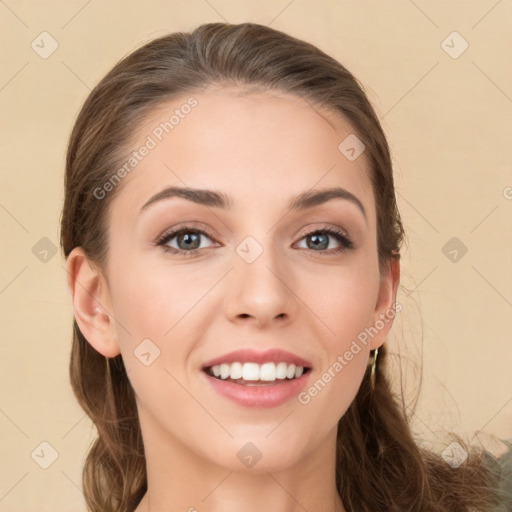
pixel 315 237
pixel 190 239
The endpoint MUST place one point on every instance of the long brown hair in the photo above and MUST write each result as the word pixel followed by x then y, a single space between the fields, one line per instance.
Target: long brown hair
pixel 380 466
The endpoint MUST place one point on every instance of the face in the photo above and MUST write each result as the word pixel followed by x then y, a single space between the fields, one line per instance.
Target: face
pixel 190 282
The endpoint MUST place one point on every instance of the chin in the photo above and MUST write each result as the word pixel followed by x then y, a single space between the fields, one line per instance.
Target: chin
pixel 258 454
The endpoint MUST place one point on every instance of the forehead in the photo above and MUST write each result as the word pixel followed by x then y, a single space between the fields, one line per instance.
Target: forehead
pixel 255 146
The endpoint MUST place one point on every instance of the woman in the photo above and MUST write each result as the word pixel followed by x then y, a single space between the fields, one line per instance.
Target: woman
pixel 232 243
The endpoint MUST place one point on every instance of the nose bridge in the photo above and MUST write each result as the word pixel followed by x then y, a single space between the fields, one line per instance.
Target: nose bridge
pixel 260 282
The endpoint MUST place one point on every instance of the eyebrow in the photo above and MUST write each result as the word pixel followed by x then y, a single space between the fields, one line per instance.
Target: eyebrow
pixel 214 199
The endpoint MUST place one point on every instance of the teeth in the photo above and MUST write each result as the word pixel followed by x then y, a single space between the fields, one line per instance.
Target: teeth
pixel 281 369
pixel 224 371
pixel 268 372
pixel 235 370
pixel 290 371
pixel 253 372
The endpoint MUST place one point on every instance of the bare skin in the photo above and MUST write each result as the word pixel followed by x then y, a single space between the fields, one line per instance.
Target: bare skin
pixel 260 149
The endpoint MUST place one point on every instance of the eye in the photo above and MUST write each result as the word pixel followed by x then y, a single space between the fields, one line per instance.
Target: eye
pixel 319 240
pixel 188 240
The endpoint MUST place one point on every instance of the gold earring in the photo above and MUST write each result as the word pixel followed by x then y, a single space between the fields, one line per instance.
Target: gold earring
pixel 374 365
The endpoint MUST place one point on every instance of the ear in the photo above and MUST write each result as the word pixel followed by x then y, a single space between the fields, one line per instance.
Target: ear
pixel 91 303
pixel 385 311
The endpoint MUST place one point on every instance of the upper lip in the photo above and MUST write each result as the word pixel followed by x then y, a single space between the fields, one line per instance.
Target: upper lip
pixel 249 355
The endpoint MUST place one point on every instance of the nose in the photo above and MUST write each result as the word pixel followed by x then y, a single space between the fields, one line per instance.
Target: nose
pixel 261 292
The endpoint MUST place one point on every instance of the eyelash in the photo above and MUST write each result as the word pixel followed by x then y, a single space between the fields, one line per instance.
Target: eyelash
pixel 344 240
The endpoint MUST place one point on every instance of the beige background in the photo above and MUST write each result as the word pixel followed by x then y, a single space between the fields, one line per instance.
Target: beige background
pixel 448 123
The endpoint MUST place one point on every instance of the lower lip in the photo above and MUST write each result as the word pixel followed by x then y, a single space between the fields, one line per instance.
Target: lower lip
pixel 261 397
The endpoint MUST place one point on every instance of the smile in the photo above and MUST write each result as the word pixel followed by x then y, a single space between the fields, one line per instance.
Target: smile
pixel 257 379
pixel 254 373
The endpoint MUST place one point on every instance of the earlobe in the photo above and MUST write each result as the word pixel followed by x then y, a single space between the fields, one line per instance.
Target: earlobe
pixel 91 303
pixel 385 308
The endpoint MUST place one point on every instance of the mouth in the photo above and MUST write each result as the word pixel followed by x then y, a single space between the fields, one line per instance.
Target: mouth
pixel 257 379
pixel 254 374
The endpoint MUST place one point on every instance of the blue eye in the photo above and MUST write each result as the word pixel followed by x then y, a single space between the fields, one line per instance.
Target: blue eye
pixel 189 237
pixel 319 237
pixel 188 241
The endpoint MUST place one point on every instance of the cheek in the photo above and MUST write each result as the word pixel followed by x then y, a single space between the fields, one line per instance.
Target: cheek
pixel 154 308
pixel 347 309
pixel 150 298
pixel 344 299
pixel 161 303
pixel 351 312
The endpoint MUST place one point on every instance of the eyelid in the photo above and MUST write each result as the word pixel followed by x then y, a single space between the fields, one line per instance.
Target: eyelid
pixel 322 226
pixel 188 226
